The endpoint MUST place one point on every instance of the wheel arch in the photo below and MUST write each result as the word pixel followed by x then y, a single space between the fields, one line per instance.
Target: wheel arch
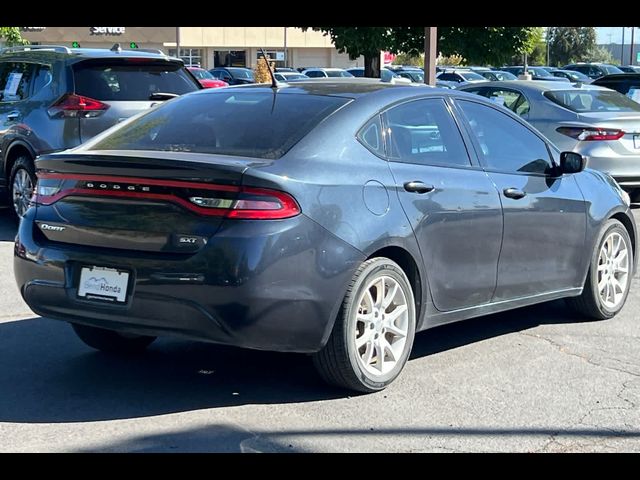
pixel 626 222
pixel 410 267
pixel 14 151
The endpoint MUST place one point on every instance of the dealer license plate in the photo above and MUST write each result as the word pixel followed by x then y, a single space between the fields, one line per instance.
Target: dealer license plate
pixel 106 284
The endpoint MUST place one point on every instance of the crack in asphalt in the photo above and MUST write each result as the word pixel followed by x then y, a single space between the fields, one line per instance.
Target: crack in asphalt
pixel 563 349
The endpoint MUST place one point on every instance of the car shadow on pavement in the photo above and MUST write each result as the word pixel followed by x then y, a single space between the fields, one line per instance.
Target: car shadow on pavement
pixel 49 376
pixel 8 226
pixel 230 438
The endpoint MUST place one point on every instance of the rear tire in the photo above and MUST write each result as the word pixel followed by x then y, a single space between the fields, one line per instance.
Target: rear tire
pixel 22 181
pixel 609 277
pixel 372 337
pixel 111 341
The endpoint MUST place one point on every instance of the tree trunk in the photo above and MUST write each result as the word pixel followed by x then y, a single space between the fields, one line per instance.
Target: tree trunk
pixel 372 65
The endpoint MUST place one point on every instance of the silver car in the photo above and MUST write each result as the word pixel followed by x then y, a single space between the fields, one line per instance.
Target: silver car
pixel 600 124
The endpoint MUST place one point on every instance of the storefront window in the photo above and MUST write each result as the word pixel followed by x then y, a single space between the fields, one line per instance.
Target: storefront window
pixel 275 56
pixel 192 57
pixel 230 58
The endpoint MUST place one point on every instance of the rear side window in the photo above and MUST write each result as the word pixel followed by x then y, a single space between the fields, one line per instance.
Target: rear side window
pixel 42 78
pixel 133 80
pixel 423 132
pixel 371 136
pixel 251 124
pixel 15 78
pixel 592 101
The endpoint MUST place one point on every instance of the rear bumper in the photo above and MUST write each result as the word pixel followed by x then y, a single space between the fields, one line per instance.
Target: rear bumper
pixel 269 285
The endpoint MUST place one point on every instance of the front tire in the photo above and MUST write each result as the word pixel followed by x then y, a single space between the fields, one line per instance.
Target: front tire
pixel 372 337
pixel 110 340
pixel 609 277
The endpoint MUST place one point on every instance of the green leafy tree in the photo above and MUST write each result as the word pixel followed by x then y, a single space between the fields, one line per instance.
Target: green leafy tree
pixel 365 41
pixel 571 44
pixel 406 59
pixel 478 45
pixel 601 54
pixel 12 36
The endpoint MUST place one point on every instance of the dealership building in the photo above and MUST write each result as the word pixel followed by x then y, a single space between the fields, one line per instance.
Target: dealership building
pixel 206 46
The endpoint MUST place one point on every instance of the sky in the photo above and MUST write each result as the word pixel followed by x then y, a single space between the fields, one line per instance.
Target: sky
pixel 614 35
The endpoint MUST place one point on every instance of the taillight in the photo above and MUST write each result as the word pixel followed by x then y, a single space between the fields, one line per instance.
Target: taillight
pixel 201 198
pixel 263 204
pixel 589 134
pixel 72 105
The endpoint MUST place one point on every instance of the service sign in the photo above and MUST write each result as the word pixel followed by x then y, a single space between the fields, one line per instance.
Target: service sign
pixel 107 30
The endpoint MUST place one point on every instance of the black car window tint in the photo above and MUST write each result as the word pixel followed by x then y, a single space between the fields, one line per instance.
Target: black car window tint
pixel 233 122
pixel 506 145
pixel 424 132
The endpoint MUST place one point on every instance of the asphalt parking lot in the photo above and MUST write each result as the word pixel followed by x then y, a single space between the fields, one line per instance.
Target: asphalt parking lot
pixel 538 379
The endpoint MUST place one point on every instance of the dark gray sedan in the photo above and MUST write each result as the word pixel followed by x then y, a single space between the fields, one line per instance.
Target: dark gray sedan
pixel 336 218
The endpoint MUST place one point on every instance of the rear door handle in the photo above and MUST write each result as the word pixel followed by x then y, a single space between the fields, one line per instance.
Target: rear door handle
pixel 514 193
pixel 13 115
pixel 418 187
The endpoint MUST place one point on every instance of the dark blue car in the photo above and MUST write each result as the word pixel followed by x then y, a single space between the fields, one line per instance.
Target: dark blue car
pixel 333 217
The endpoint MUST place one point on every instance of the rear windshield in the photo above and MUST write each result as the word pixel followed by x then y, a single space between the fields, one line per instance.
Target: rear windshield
pixel 241 73
pixel 471 76
pixel 130 81
pixel 611 69
pixel 338 73
pixel 539 72
pixel 202 74
pixel 251 124
pixel 593 101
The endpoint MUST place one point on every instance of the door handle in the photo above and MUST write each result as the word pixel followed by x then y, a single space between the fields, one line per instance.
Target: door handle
pixel 13 115
pixel 514 193
pixel 418 187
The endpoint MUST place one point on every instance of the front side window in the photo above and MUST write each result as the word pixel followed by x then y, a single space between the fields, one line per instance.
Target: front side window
pixel 424 132
pixel 15 78
pixel 507 145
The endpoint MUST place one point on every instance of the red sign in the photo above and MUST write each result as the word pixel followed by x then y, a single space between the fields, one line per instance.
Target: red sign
pixel 389 57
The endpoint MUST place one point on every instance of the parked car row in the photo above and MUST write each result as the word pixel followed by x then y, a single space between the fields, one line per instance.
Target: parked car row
pixel 328 216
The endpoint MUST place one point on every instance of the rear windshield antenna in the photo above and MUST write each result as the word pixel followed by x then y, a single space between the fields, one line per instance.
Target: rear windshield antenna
pixel 274 83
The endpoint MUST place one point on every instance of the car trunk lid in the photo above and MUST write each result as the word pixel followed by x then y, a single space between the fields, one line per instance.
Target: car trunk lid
pixel 136 201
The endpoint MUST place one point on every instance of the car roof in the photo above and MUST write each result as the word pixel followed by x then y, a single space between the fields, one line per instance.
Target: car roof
pixel 367 89
pixel 79 54
pixel 619 77
pixel 536 85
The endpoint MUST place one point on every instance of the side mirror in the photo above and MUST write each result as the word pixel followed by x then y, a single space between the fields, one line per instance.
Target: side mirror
pixel 571 162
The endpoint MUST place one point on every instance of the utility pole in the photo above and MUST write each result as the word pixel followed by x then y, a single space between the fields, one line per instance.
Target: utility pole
pixel 178 42
pixel 622 48
pixel 633 31
pixel 286 57
pixel 548 28
pixel 430 54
